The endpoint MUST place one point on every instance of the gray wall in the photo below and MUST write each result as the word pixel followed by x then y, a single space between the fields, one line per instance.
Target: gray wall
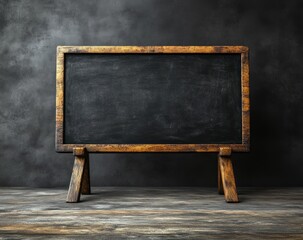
pixel 31 30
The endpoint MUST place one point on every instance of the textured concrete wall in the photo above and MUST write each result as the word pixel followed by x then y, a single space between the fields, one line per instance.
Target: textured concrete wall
pixel 31 30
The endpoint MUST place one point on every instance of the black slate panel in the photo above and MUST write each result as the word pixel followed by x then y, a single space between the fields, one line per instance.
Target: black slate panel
pixel 152 98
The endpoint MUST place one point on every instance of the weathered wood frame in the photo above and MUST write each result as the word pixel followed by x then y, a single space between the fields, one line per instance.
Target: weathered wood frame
pixel 243 147
pixel 80 180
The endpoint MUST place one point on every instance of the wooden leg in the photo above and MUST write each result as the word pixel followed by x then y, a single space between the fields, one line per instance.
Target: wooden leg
pixel 220 186
pixel 85 187
pixel 74 190
pixel 227 176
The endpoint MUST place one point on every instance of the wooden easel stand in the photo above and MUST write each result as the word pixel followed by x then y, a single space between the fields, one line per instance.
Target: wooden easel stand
pixel 80 179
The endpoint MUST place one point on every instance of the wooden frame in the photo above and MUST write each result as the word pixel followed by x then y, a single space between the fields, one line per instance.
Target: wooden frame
pixel 243 147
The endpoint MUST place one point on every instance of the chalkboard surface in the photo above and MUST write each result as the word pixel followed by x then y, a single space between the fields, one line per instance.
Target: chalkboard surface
pixel 152 98
pixel 140 98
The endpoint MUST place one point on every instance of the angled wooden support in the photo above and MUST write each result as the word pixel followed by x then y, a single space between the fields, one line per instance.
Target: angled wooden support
pixel 85 186
pixel 80 179
pixel 226 178
pixel 220 186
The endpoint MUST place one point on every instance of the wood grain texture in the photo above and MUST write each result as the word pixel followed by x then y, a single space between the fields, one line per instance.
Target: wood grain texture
pixel 245 99
pixel 227 176
pixel 151 213
pixel 59 96
pixel 243 147
pixel 76 181
pixel 152 49
pixel 225 152
pixel 79 151
pixel 152 147
pixel 220 184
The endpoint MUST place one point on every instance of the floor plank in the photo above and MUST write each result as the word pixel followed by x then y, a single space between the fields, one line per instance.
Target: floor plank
pixel 151 213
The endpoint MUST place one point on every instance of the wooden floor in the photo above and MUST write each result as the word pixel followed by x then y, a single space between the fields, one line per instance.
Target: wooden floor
pixel 151 213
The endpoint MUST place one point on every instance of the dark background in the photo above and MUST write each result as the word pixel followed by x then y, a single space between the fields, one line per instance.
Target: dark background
pixel 31 30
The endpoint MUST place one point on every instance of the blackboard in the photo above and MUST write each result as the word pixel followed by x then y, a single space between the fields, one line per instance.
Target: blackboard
pixel 152 98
